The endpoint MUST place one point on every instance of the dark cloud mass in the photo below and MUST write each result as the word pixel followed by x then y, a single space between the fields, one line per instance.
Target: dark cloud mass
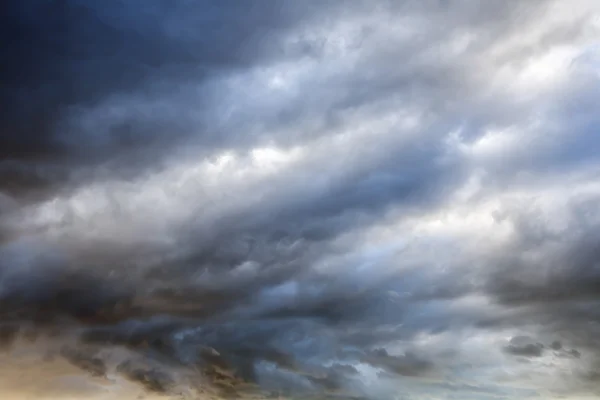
pixel 299 199
pixel 524 346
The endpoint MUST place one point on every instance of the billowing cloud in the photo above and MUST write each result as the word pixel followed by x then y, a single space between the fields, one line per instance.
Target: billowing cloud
pixel 353 199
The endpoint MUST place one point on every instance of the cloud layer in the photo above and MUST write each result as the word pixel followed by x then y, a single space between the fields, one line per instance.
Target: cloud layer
pixel 361 199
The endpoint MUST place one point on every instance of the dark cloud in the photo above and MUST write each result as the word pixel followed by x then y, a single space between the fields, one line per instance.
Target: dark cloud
pixel 556 345
pixel 64 59
pixel 152 379
pixel 524 346
pixel 8 335
pixel 406 365
pixel 86 360
pixel 305 198
pixel 52 293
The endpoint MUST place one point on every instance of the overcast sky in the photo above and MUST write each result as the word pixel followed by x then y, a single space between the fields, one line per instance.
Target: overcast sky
pixel 374 199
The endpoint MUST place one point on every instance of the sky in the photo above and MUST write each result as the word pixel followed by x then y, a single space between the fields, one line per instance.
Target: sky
pixel 316 199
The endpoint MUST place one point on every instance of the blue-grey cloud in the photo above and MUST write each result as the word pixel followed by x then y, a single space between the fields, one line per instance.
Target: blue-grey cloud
pixel 370 199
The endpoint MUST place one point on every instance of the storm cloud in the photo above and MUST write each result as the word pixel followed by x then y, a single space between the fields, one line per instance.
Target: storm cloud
pixel 347 199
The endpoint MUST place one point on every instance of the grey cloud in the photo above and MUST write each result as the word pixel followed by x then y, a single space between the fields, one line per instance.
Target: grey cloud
pixel 85 360
pixel 152 379
pixel 556 345
pixel 524 346
pixel 405 365
pixel 267 274
pixel 548 276
pixel 92 55
pixel 574 353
